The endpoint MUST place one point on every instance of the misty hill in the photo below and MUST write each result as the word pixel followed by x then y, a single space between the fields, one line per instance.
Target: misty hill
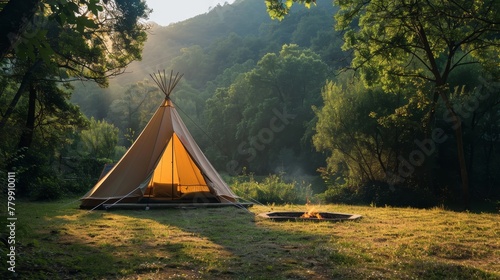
pixel 212 50
pixel 228 35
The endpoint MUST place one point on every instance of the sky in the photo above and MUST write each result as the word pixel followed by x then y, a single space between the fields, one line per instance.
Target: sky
pixel 171 11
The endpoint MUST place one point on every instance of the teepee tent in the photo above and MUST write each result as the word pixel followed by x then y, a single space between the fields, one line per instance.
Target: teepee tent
pixel 164 164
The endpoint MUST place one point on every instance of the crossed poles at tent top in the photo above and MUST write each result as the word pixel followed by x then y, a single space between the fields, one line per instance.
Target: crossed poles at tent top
pixel 161 81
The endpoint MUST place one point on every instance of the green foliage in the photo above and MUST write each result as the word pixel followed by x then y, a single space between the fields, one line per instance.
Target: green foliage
pixel 244 72
pixel 379 193
pixel 54 120
pixel 81 163
pixel 47 188
pixel 66 40
pixel 364 131
pixel 212 51
pixel 268 108
pixel 421 45
pixel 75 38
pixel 371 136
pixel 132 109
pixel 277 9
pixel 272 189
pixel 100 139
pixel 417 40
pixel 476 100
pixel 86 174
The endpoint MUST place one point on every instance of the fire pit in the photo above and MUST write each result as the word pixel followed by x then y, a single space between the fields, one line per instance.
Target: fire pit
pixel 309 216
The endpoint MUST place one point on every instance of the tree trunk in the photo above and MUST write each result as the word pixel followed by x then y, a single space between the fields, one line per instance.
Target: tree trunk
pixel 27 78
pixel 457 126
pixel 440 82
pixel 472 151
pixel 463 166
pixel 27 134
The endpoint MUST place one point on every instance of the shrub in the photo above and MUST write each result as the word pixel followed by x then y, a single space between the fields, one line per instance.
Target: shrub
pixel 272 189
pixel 47 188
pixel 340 194
pixel 379 193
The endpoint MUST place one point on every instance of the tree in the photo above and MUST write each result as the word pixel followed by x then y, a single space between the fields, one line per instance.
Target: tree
pixel 279 8
pixel 419 42
pixel 89 40
pixel 100 139
pixel 364 132
pixel 84 16
pixel 14 19
pixel 193 63
pixel 131 112
pixel 358 151
pixel 63 40
pixel 269 109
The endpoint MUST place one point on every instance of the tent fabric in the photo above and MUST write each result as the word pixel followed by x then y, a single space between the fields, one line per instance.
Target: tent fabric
pixel 164 162
pixel 177 167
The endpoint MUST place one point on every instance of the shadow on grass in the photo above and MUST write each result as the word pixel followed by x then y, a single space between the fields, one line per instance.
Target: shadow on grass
pixel 250 247
pixel 44 251
pixel 213 243
pixel 74 244
pixel 237 246
pixel 41 260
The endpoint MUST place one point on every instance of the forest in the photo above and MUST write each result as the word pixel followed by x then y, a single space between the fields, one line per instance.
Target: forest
pixel 352 102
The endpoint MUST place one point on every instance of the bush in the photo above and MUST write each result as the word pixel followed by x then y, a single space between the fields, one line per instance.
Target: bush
pixel 379 193
pixel 340 194
pixel 47 188
pixel 85 176
pixel 74 187
pixel 273 189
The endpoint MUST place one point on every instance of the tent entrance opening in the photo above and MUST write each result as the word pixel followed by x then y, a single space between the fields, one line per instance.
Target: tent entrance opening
pixel 176 174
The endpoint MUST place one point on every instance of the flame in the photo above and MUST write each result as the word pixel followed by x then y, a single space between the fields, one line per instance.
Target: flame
pixel 311 212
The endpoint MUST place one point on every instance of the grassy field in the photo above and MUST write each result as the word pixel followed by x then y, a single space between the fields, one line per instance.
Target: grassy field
pixel 59 241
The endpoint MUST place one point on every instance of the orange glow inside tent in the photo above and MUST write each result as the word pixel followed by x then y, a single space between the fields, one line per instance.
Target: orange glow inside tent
pixel 176 173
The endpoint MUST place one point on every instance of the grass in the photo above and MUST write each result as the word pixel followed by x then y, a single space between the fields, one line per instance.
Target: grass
pixel 58 241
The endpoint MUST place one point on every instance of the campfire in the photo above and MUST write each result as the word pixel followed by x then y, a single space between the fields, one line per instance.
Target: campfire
pixel 310 215
pixel 279 216
pixel 311 212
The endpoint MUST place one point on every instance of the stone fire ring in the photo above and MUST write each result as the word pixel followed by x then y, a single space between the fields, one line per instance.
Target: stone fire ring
pixel 296 216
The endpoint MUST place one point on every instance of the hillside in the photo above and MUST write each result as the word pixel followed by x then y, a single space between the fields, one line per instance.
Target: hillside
pixel 232 34
pixel 212 50
pixel 227 36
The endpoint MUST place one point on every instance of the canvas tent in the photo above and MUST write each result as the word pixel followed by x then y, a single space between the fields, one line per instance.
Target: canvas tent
pixel 164 164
